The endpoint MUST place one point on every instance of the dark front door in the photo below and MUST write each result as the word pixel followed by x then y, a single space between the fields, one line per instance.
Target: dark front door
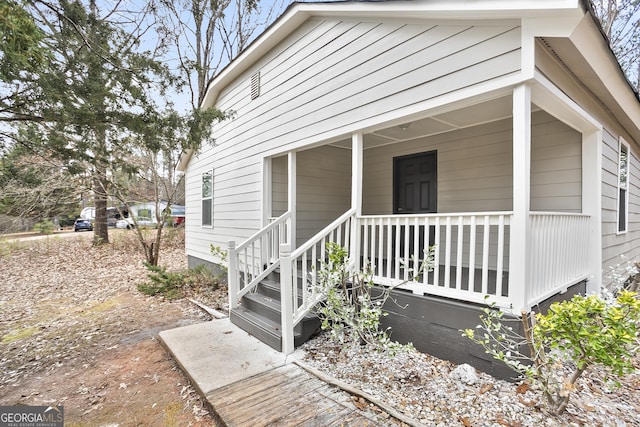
pixel 415 179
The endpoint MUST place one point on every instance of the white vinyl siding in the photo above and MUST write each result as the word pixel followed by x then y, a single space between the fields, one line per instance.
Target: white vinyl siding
pixel 330 75
pixel 323 188
pixel 614 243
pixel 279 182
pixel 321 82
pixel 475 168
pixel 236 204
pixel 556 165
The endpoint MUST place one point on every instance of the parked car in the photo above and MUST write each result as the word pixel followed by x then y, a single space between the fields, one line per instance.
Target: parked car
pixel 82 224
pixel 125 223
pixel 177 216
pixel 129 224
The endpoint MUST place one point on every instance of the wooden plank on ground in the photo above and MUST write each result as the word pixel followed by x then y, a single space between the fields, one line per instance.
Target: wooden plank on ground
pixel 266 380
pixel 288 396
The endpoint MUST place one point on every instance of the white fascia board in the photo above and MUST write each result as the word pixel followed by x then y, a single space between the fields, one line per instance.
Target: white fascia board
pixel 550 98
pixel 558 25
pixel 183 162
pixel 291 19
pixel 448 9
pixel 593 47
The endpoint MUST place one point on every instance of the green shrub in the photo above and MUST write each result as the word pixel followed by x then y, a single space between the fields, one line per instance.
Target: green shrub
pixel 202 277
pixel 563 343
pixel 9 246
pixel 177 284
pixel 164 283
pixel 45 227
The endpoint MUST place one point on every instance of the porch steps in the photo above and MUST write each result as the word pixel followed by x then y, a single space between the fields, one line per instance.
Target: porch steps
pixel 259 314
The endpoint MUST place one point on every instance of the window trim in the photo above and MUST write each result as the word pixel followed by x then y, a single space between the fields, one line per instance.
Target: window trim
pixel 623 228
pixel 206 199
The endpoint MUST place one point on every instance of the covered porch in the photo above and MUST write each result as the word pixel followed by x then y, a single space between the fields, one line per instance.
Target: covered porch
pixel 503 186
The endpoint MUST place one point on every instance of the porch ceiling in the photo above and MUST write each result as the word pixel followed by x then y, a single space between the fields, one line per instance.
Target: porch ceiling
pixel 485 112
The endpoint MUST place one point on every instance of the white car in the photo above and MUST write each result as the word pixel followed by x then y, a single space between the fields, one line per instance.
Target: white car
pixel 129 224
pixel 125 223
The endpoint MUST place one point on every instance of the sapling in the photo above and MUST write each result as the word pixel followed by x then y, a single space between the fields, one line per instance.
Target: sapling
pixel 556 348
pixel 352 305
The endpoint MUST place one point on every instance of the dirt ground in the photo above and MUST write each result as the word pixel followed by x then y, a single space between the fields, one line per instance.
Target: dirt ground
pixel 75 331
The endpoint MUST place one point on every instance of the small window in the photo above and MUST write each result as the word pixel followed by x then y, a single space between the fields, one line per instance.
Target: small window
pixel 144 215
pixel 207 199
pixel 623 186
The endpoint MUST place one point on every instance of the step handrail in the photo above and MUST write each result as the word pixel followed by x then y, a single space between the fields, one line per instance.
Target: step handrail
pixel 282 218
pixel 291 312
pixel 322 233
pixel 244 273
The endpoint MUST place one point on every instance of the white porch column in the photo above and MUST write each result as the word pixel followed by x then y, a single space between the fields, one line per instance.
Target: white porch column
pixel 286 300
pixel 520 223
pixel 267 190
pixel 357 144
pixel 292 201
pixel 592 203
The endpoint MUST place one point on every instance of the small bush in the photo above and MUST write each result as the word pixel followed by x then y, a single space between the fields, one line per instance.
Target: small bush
pixel 45 227
pixel 177 284
pixel 9 246
pixel 201 277
pixel 352 307
pixel 562 344
pixel 164 283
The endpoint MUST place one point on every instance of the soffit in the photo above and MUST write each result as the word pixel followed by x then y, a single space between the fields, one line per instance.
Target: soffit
pixel 473 115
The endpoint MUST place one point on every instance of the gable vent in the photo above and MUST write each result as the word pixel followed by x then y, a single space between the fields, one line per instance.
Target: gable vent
pixel 255 85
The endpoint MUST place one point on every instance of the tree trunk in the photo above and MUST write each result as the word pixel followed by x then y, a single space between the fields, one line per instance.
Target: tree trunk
pixel 100 232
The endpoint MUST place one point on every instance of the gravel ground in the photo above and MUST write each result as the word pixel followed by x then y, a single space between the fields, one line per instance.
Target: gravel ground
pixel 434 392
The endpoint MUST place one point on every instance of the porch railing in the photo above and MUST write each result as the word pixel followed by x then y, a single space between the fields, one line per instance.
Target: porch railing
pixel 559 253
pixel 470 253
pixel 471 257
pixel 256 257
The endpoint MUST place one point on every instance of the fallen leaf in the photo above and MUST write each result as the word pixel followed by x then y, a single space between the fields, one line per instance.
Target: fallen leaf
pixel 465 421
pixel 522 388
pixel 359 402
pixel 528 403
pixel 485 388
pixel 504 422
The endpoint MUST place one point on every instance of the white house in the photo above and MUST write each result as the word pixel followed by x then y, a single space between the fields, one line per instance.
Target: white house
pixel 502 131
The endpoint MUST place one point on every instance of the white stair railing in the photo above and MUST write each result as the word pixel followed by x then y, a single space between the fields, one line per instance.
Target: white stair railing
pixel 256 257
pixel 302 266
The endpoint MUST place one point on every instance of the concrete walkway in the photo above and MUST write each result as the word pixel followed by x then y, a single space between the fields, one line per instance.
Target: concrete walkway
pixel 218 353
